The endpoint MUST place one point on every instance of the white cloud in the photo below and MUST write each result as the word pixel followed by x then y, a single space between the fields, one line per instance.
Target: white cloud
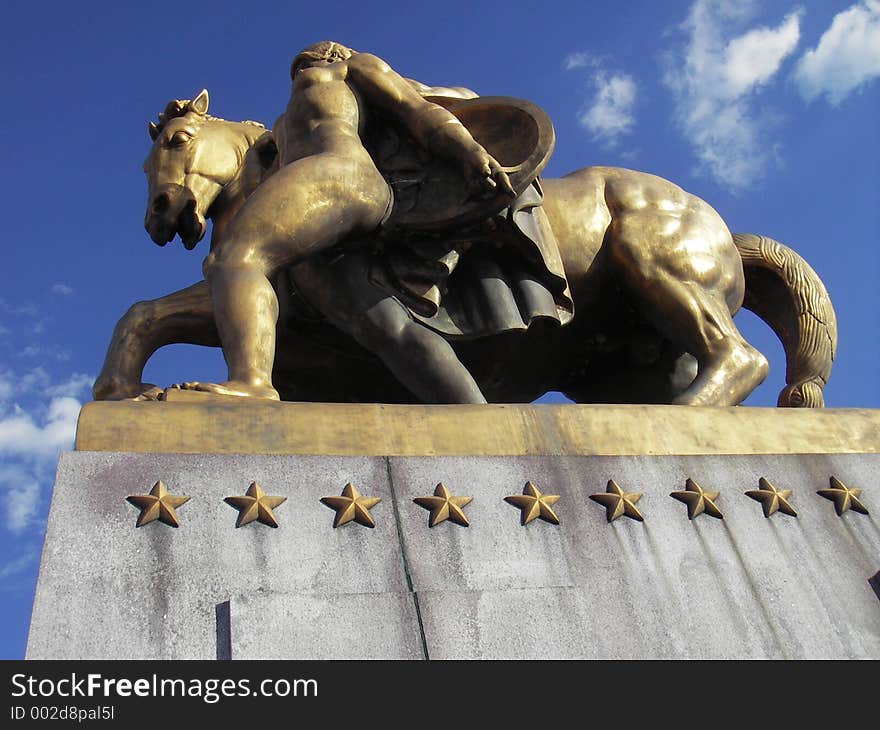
pixel 38 382
pixel 608 115
pixel 48 427
pixel 21 496
pixel 36 379
pixel 20 505
pixel 24 314
pixel 847 56
pixel 75 385
pixel 754 57
pixel 44 353
pixel 579 60
pixel 18 564
pixel 31 437
pixel 28 309
pixel 21 435
pixel 715 79
pixel 61 289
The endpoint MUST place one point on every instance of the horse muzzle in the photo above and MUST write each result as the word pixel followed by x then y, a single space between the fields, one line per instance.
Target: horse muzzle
pixel 172 210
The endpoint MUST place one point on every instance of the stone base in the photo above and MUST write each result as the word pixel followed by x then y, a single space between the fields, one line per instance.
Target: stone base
pixel 742 587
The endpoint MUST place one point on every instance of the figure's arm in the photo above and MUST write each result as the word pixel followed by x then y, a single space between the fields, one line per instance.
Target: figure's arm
pixel 433 127
pixel 450 92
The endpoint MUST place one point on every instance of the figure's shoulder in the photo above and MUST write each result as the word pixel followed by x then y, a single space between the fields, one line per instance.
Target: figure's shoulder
pixel 367 63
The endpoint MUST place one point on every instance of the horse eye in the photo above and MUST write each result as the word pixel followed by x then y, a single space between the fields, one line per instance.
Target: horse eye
pixel 179 138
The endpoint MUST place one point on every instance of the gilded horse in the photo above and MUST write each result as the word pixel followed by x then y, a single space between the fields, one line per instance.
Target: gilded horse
pixel 654 273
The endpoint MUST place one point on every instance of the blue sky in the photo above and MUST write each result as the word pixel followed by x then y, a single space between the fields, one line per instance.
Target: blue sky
pixel 767 110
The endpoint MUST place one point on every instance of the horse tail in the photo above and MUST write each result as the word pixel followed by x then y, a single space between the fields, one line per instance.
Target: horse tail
pixel 784 291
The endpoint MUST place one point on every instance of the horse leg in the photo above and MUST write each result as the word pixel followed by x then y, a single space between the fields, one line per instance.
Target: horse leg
pixel 186 316
pixel 687 278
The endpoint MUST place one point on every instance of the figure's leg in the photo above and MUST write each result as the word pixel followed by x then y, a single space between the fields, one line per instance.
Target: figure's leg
pixel 306 207
pixel 185 316
pixel 419 358
pixel 687 283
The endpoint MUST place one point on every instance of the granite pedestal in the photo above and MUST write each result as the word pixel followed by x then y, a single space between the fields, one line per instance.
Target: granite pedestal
pixel 745 586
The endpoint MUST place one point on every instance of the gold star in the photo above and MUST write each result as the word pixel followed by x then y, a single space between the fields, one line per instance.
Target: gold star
pixel 255 505
pixel 351 506
pixel 697 500
pixel 618 503
pixel 771 498
pixel 533 504
pixel 843 497
pixel 157 505
pixel 444 506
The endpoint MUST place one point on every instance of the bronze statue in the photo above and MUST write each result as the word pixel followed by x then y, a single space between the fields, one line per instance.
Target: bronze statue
pixel 381 293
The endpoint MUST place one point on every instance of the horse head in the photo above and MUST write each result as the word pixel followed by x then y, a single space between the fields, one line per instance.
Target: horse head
pixel 193 157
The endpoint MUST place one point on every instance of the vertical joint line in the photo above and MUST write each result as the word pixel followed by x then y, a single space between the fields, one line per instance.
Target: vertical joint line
pixel 874 581
pixel 224 631
pixel 403 560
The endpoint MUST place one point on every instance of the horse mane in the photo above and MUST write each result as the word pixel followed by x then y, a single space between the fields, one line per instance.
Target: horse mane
pixel 179 107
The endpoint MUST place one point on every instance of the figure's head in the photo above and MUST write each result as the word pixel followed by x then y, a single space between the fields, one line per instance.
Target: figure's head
pixel 193 156
pixel 328 51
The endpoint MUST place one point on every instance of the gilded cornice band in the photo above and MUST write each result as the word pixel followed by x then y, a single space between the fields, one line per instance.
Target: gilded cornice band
pixel 244 426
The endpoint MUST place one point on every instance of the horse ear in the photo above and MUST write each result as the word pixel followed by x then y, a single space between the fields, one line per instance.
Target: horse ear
pixel 200 104
pixel 153 130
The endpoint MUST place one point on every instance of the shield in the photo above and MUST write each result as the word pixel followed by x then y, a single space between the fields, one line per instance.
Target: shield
pixel 432 194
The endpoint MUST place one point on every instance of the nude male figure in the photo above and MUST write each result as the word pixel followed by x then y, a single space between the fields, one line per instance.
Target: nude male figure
pixel 328 190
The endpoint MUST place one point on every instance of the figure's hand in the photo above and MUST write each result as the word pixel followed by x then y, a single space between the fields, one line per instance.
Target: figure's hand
pixel 489 176
pixel 450 139
pixel 496 178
